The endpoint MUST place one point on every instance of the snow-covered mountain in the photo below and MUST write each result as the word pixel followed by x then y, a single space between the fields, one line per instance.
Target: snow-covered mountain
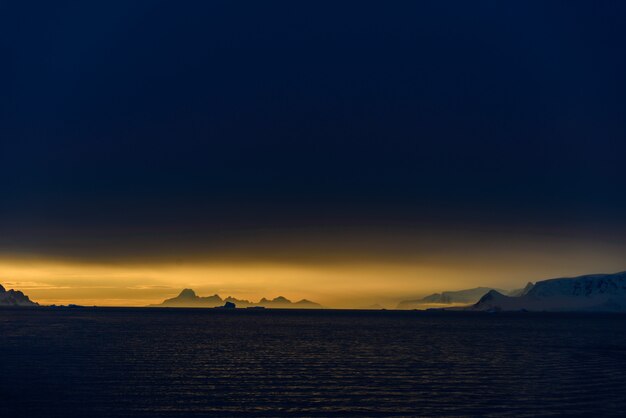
pixel 594 292
pixel 188 299
pixel 14 298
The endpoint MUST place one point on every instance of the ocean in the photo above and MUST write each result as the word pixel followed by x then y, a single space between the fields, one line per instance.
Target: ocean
pixel 109 362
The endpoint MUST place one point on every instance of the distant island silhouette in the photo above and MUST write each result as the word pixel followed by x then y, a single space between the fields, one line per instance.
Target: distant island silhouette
pixel 454 297
pixel 188 299
pixel 14 298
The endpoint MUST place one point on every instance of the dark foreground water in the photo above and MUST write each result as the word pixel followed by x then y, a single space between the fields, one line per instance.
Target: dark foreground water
pixel 153 363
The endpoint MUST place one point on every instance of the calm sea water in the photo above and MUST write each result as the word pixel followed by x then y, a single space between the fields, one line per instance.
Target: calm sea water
pixel 184 362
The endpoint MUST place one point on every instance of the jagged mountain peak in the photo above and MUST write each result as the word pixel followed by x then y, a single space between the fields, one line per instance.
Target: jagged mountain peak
pixel 14 298
pixel 187 294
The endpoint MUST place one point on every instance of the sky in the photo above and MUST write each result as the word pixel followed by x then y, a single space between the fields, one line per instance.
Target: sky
pixel 350 152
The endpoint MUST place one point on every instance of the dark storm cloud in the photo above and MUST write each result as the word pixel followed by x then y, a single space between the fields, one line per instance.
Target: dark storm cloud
pixel 203 116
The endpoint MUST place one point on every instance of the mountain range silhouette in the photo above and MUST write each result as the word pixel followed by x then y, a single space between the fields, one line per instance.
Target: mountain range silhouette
pixel 454 297
pixel 189 299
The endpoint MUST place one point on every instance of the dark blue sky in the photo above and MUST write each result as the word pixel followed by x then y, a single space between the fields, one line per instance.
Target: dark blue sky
pixel 225 115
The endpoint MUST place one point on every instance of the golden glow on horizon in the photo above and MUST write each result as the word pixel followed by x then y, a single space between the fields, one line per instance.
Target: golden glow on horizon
pixel 348 285
pixel 55 282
